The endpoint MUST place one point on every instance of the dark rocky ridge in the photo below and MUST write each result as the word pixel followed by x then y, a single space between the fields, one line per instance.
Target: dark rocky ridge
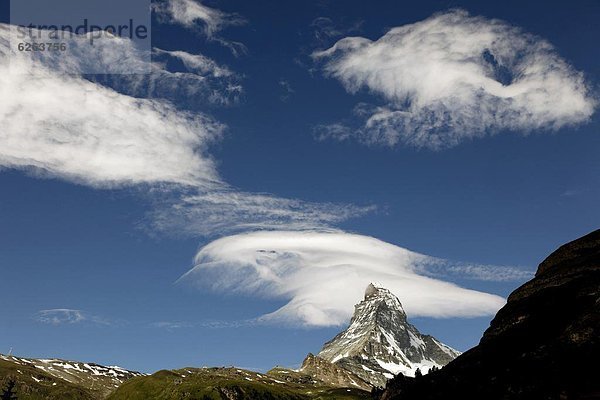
pixel 543 344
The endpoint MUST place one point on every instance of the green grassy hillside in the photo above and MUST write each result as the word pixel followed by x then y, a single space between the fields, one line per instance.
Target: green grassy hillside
pixel 226 384
pixel 34 384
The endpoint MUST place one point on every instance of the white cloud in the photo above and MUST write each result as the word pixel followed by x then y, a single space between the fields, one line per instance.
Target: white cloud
pixel 169 325
pixel 227 210
pixel 197 82
pixel 211 324
pixel 134 71
pixel 63 125
pixel 60 316
pixel 198 63
pixel 192 13
pixel 56 123
pixel 322 275
pixel 454 77
pixel 202 81
pixel 491 273
pixel 119 64
pixel 335 130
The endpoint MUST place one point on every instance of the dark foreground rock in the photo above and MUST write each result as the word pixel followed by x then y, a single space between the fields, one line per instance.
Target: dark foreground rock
pixel 544 344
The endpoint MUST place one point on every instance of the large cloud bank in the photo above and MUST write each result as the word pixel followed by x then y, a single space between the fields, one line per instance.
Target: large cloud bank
pixel 103 132
pixel 321 275
pixel 454 77
pixel 66 126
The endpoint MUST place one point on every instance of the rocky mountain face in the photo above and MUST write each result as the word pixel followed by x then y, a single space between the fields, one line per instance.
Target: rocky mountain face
pixel 543 344
pixel 331 374
pixel 54 378
pixel 380 342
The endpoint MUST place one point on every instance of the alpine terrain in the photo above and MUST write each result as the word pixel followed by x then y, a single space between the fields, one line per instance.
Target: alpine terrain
pixel 33 379
pixel 543 344
pixel 380 342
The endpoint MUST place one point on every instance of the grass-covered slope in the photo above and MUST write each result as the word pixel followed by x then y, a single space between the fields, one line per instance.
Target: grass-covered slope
pixel 226 384
pixel 32 383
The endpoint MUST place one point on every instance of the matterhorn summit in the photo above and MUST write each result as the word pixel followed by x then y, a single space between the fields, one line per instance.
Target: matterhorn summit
pixel 380 342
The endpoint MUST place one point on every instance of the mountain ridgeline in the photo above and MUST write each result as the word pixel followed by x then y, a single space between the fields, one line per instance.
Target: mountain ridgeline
pixel 380 342
pixel 543 344
pixel 32 379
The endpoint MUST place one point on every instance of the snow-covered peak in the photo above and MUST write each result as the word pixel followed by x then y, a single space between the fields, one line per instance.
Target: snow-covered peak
pixel 371 290
pixel 379 307
pixel 380 342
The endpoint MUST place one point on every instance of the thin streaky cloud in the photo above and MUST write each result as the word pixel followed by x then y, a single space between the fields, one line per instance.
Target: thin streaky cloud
pixel 210 324
pixel 444 269
pixel 197 63
pixel 336 130
pixel 227 211
pixel 170 325
pixel 67 316
pixel 60 316
pixel 193 14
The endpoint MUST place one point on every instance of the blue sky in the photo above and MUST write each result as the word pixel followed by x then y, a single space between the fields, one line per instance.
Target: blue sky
pixel 110 248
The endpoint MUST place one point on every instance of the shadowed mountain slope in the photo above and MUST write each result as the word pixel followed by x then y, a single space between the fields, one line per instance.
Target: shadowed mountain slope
pixel 543 344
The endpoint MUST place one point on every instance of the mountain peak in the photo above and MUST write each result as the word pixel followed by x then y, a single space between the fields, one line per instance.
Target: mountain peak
pixel 374 291
pixel 380 343
pixel 371 290
pixel 378 306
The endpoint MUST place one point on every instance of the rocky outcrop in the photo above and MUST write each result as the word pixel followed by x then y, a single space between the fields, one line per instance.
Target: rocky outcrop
pixel 543 344
pixel 331 374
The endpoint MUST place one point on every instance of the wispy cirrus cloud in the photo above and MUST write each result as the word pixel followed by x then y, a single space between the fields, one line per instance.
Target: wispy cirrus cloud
pixel 322 275
pixel 325 29
pixel 95 132
pixel 210 324
pixel 171 325
pixel 444 269
pixel 119 64
pixel 227 210
pixel 198 63
pixel 455 77
pixel 62 316
pixel 193 14
pixel 182 78
pixel 59 316
pixel 199 81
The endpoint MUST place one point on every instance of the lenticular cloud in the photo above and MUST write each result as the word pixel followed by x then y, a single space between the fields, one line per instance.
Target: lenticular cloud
pixel 454 77
pixel 322 275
